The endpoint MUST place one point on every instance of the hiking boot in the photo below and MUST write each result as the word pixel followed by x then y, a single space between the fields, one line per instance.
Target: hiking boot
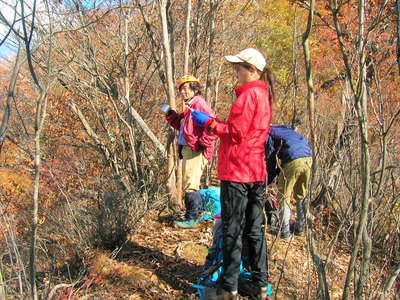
pixel 287 236
pixel 253 291
pixel 179 217
pixel 219 294
pixel 187 223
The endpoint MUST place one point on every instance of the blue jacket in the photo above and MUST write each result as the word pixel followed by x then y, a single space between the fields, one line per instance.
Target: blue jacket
pixel 286 144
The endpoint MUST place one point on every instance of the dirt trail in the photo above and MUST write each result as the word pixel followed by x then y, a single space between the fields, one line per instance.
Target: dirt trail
pixel 162 262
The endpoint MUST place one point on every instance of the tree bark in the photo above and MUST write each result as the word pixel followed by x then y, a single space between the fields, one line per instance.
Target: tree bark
pixel 390 282
pixel 362 116
pixel 127 93
pixel 171 184
pixel 132 113
pixel 398 33
pixel 187 36
pixel 19 60
pixel 323 285
pixel 294 66
pixel 2 284
pixel 179 170
pixel 40 114
pixel 41 108
pixel 213 8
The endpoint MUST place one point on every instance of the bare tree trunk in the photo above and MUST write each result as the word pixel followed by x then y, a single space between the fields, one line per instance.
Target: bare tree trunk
pixel 323 285
pixel 390 282
pixel 398 33
pixel 362 115
pixel 187 36
pixel 294 66
pixel 19 60
pixel 359 95
pixel 170 25
pixel 167 54
pixel 135 115
pixel 41 108
pixel 214 103
pixel 179 171
pixel 171 184
pixel 213 8
pixel 2 285
pixel 127 93
pixel 196 37
pixel 24 37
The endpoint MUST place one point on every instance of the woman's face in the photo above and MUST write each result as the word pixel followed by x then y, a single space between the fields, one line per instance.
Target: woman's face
pixel 186 92
pixel 244 75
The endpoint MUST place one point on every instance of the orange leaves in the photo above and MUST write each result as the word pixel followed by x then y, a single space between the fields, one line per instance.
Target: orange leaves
pixel 15 193
pixel 14 183
pixel 137 277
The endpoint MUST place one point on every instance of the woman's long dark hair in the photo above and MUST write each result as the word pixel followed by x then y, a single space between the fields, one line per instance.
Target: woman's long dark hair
pixel 268 77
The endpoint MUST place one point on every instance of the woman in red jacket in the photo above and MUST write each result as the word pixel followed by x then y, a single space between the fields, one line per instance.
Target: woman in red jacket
pixel 195 145
pixel 242 171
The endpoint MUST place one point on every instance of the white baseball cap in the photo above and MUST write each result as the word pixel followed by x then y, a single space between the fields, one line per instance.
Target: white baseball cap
pixel 251 56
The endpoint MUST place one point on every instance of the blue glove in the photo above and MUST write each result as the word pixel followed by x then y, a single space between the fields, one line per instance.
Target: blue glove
pixel 199 117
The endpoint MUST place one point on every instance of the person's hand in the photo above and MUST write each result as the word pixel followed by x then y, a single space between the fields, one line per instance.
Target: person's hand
pixel 200 147
pixel 200 117
pixel 170 112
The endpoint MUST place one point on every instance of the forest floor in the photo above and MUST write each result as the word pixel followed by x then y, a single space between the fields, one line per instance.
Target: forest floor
pixel 163 262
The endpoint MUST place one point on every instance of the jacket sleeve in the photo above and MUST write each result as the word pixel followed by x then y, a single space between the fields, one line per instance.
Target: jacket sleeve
pixel 206 139
pixel 174 120
pixel 239 120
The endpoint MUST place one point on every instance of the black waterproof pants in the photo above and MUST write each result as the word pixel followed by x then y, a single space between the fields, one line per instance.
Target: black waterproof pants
pixel 243 218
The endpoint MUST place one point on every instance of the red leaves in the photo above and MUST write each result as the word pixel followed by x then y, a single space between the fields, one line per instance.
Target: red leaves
pixel 92 278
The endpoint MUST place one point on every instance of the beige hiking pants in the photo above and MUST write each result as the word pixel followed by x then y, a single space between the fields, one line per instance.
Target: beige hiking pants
pixel 193 165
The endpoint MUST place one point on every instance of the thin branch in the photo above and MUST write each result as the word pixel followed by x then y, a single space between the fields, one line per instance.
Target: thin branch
pixel 10 95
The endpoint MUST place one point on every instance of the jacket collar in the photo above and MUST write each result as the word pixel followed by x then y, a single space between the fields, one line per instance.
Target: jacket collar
pixel 257 83
pixel 192 101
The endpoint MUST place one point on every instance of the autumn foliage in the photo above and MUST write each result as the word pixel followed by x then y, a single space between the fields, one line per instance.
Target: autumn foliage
pixel 104 218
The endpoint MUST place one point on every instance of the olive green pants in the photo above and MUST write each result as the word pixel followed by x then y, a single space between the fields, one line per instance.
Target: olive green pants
pixel 293 181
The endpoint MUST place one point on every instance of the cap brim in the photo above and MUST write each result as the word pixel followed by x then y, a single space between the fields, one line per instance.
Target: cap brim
pixel 233 59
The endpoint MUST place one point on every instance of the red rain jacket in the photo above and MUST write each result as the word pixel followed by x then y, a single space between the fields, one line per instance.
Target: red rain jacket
pixel 196 136
pixel 241 154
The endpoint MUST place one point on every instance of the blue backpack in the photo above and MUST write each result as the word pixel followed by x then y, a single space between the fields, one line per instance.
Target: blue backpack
pixel 211 202
pixel 213 268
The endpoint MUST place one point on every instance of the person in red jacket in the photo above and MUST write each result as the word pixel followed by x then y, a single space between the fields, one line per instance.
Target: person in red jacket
pixel 242 171
pixel 195 146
